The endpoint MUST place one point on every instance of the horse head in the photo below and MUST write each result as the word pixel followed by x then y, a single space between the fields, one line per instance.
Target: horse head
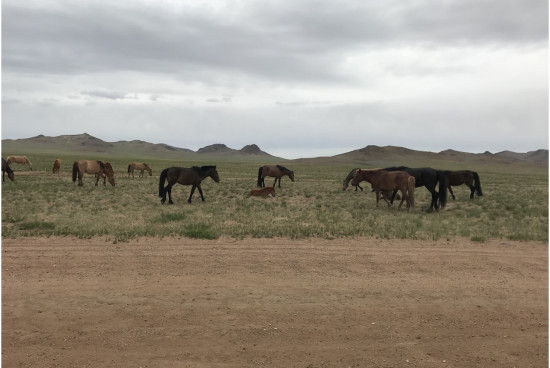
pixel 213 173
pixel 110 173
pixel 291 176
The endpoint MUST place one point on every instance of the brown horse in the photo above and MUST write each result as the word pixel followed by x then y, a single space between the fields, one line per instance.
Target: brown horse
pixel 21 160
pixel 276 171
pixel 388 181
pixel 139 166
pixel 6 169
pixel 264 192
pixel 97 168
pixel 185 176
pixel 470 178
pixel 56 166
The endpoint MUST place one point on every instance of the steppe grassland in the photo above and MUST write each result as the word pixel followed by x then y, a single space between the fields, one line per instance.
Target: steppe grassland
pixel 39 203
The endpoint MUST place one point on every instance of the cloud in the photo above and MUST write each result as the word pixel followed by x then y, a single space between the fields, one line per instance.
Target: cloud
pixel 110 95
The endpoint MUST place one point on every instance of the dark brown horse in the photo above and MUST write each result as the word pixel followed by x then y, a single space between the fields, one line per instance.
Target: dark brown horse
pixel 388 181
pixel 185 176
pixel 470 178
pixel 97 168
pixel 141 166
pixel 276 171
pixel 6 169
pixel 56 166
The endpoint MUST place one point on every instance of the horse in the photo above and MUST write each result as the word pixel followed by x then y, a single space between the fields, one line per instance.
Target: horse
pixel 276 171
pixel 139 166
pixel 388 181
pixel 21 160
pixel 185 176
pixel 56 166
pixel 348 179
pixel 264 192
pixel 98 168
pixel 428 178
pixel 6 169
pixel 470 178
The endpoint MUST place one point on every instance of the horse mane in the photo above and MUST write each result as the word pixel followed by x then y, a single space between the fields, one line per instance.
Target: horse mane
pixel 282 168
pixel 101 164
pixel 203 169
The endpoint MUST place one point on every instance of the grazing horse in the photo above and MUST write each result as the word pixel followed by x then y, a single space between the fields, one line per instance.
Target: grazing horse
pixel 139 166
pixel 470 178
pixel 348 179
pixel 276 171
pixel 429 178
pixel 21 160
pixel 263 192
pixel 6 169
pixel 97 168
pixel 185 176
pixel 56 166
pixel 388 181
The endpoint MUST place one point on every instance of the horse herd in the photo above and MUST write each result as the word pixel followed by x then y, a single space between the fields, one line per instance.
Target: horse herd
pixel 385 182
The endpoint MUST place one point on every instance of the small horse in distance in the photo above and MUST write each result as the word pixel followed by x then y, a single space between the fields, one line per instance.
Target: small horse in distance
pixel 6 169
pixel 263 192
pixel 56 166
pixel 97 168
pixel 276 171
pixel 388 181
pixel 21 160
pixel 139 166
pixel 185 176
pixel 470 178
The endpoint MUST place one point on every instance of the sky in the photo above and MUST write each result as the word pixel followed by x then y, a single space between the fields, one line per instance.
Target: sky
pixel 298 78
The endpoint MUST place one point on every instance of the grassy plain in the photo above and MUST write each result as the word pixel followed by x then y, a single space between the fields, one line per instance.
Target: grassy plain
pixel 39 203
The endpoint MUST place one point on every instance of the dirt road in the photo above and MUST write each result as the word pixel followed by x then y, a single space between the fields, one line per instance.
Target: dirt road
pixel 274 303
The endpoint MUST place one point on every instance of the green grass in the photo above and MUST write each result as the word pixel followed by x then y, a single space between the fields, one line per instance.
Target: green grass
pixel 39 203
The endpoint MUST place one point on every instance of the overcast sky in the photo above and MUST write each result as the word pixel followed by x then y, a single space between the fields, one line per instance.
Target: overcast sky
pixel 298 78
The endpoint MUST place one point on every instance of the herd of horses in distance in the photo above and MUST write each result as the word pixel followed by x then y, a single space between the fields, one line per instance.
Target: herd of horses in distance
pixel 384 182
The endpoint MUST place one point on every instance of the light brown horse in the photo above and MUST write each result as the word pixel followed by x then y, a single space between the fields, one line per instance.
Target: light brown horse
pixel 388 181
pixel 139 166
pixel 21 160
pixel 470 178
pixel 264 192
pixel 56 166
pixel 97 168
pixel 276 171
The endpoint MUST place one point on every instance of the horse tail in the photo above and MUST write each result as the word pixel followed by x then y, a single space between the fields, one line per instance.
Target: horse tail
pixel 75 171
pixel 442 188
pixel 260 176
pixel 163 175
pixel 411 182
pixel 477 184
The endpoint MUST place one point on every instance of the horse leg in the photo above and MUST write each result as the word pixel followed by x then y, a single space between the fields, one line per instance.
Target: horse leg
pixel 169 190
pixel 200 192
pixel 451 191
pixel 80 175
pixel 192 191
pixel 275 182
pixel 472 191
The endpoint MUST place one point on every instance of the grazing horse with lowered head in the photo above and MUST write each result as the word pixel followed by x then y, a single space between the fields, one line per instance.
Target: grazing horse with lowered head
pixel 428 178
pixel 56 166
pixel 139 166
pixel 470 178
pixel 348 178
pixel 388 181
pixel 185 176
pixel 276 171
pixel 97 168
pixel 6 169
pixel 263 192
pixel 21 160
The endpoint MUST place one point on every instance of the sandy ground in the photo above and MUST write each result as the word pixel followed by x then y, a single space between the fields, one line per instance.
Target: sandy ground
pixel 274 303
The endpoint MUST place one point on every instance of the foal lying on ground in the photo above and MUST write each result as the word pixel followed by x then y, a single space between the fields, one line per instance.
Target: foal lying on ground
pixel 264 192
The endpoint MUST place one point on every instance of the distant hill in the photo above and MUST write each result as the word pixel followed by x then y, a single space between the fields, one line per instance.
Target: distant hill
pixel 369 156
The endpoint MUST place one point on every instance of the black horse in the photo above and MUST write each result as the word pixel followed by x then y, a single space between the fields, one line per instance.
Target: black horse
pixel 185 176
pixel 427 177
pixel 470 178
pixel 6 169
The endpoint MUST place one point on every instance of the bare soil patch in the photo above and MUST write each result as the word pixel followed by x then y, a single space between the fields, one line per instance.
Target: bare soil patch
pixel 273 302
